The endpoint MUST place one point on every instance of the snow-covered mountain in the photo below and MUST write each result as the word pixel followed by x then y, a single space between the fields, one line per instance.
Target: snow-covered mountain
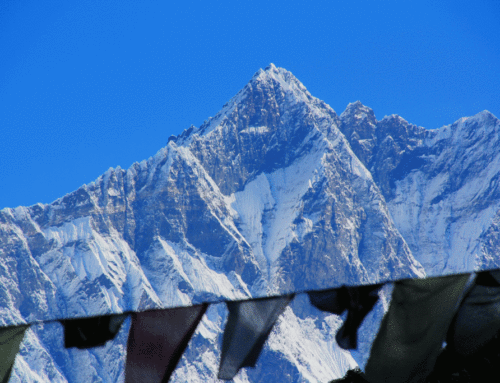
pixel 441 186
pixel 275 194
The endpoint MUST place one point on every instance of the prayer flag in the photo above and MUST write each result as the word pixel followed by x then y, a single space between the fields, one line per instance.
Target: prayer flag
pixel 414 328
pixel 91 332
pixel 358 301
pixel 10 341
pixel 157 340
pixel 247 328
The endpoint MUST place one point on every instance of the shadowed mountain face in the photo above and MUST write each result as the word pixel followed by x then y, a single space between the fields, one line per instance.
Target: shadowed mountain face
pixel 275 194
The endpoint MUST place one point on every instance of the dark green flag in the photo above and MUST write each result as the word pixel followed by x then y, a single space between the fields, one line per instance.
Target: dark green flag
pixel 413 330
pixel 10 341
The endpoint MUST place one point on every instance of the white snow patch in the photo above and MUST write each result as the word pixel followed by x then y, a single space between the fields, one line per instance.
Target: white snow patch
pixel 444 236
pixel 269 204
pixel 313 350
pixel 172 264
pixel 81 253
pixel 255 130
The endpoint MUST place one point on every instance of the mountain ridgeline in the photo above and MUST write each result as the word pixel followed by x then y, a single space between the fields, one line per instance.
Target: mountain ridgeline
pixel 276 194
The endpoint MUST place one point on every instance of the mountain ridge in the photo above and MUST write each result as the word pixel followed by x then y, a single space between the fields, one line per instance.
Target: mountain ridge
pixel 297 198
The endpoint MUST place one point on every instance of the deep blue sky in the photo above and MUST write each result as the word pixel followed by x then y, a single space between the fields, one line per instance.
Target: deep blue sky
pixel 85 85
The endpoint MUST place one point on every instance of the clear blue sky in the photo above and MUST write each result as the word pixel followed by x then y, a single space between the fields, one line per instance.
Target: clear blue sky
pixel 85 85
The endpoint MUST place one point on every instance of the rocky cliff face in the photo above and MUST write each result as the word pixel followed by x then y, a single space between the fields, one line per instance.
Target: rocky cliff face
pixel 275 194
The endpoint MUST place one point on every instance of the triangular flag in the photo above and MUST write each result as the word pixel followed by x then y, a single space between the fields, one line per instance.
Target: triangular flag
pixel 10 341
pixel 248 326
pixel 91 332
pixel 359 301
pixel 157 340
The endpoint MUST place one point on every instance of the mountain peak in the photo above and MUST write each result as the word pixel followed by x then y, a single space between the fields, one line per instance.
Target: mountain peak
pixel 359 125
pixel 271 67
pixel 281 77
pixel 394 117
pixel 485 117
pixel 274 85
pixel 354 104
pixel 356 110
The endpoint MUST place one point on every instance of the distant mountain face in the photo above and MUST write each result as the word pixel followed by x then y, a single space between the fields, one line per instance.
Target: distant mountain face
pixel 441 185
pixel 275 194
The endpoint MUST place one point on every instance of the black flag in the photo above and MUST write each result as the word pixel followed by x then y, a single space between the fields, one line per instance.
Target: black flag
pixel 91 332
pixel 157 340
pixel 478 319
pixel 358 301
pixel 248 326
